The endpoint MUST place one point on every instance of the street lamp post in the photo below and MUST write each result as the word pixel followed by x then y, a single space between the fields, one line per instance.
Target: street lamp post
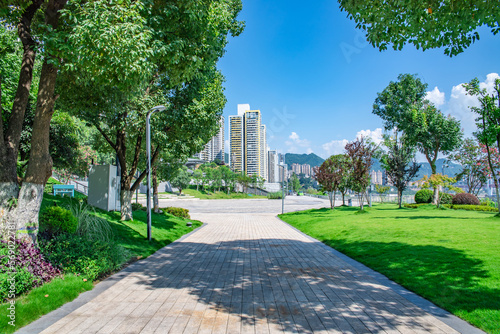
pixel 282 189
pixel 148 153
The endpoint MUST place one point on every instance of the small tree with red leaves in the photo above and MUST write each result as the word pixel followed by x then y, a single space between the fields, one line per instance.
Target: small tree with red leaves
pixel 360 153
pixel 331 174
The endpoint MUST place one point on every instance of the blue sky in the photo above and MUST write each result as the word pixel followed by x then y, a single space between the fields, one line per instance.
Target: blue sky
pixel 314 77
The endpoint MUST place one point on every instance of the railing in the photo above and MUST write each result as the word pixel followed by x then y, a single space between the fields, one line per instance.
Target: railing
pixel 81 187
pixel 376 198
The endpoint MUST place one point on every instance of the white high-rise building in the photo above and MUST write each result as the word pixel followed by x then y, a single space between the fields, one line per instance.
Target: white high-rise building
pixel 252 146
pixel 273 169
pixel 263 152
pixel 214 149
pixel 248 145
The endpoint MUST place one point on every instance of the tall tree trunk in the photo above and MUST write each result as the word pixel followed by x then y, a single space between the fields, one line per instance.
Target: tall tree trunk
pixel 432 163
pixel 343 198
pixel 332 199
pixel 156 206
pixel 9 141
pixel 360 197
pixel 495 178
pixel 400 198
pixel 40 163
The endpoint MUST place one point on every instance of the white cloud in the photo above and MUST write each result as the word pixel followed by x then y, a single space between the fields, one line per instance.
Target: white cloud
pixel 297 145
pixel 436 97
pixel 334 147
pixel 375 135
pixel 338 146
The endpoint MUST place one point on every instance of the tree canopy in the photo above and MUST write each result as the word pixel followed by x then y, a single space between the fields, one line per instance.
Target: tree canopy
pixel 429 24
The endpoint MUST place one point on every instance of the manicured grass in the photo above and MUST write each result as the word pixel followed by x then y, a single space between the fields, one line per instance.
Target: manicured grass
pixel 130 234
pixel 219 195
pixel 34 304
pixel 450 257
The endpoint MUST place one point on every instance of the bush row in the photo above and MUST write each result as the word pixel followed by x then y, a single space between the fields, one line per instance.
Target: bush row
pixel 456 207
pixel 178 212
pixel 275 195
pixel 426 195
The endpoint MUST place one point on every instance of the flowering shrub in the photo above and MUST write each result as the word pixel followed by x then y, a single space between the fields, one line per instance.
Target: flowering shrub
pixel 465 198
pixel 29 268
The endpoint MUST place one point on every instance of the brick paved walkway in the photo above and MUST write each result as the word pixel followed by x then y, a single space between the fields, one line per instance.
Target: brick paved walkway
pixel 243 273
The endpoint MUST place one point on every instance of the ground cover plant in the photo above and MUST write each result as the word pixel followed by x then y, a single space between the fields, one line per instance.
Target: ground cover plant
pixel 219 194
pixel 450 257
pixel 90 253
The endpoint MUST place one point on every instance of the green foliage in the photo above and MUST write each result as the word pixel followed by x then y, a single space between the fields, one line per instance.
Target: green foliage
pixel 471 207
pixel 56 220
pixel 181 180
pixel 89 225
pixel 465 198
pixel 399 163
pixel 138 206
pixel 177 212
pixel 445 198
pixel 77 254
pixel 475 165
pixel 402 105
pixel 382 190
pixel 414 205
pixel 424 196
pixel 488 202
pixel 275 195
pixel 425 24
pixel 22 281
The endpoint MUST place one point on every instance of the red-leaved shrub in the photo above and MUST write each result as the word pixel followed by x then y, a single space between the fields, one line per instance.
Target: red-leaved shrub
pixel 464 198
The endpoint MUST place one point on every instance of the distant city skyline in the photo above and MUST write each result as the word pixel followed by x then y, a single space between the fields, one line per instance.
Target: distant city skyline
pixel 314 77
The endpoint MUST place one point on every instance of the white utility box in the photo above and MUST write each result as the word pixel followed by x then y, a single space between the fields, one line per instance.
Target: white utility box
pixel 104 187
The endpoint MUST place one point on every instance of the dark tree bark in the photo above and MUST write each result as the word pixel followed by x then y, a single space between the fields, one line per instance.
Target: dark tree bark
pixel 9 141
pixel 40 163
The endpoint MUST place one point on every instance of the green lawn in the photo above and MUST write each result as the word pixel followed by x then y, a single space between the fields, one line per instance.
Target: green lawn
pixel 130 234
pixel 219 195
pixel 450 257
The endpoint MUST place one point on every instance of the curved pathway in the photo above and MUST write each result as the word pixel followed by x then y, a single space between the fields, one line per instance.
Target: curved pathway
pixel 246 271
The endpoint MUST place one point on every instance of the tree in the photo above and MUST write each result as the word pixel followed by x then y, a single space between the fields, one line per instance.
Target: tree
pixel 181 179
pixel 402 106
pixel 244 180
pixel 359 155
pixel 425 24
pixel 228 177
pixel 474 162
pixel 382 191
pixel 488 122
pixel 399 163
pixel 330 175
pixel 29 196
pixel 197 177
pixel 437 181
pixel 294 180
pixel 175 50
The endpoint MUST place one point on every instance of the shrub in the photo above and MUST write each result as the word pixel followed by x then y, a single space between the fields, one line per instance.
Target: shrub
pixel 445 198
pixel 414 205
pixel 488 202
pixel 76 254
pixel 424 196
pixel 55 220
pixel 137 207
pixel 471 207
pixel 28 266
pixel 275 195
pixel 89 224
pixel 178 212
pixel 464 198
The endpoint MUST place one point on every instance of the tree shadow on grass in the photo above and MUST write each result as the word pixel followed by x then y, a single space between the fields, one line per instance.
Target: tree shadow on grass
pixel 448 277
pixel 300 286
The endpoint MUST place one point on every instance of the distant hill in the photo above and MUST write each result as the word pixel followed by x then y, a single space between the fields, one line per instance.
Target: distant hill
pixel 450 169
pixel 311 159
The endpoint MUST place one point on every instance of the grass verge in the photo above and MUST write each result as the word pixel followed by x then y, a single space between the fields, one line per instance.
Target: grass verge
pixel 130 234
pixel 219 195
pixel 449 257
